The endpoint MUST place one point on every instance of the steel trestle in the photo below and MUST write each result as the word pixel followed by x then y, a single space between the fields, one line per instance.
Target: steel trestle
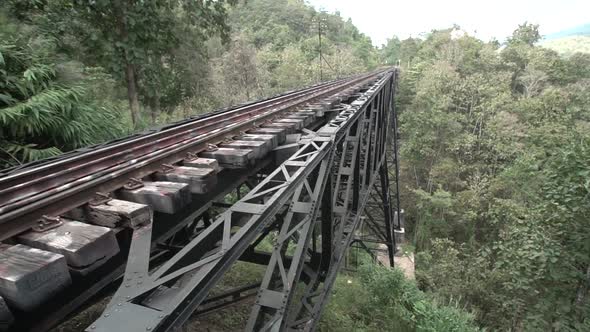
pixel 311 207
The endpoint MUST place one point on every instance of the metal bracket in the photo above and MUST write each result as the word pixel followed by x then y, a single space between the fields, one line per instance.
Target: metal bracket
pixel 100 198
pixel 166 168
pixel 133 184
pixel 46 223
pixel 191 156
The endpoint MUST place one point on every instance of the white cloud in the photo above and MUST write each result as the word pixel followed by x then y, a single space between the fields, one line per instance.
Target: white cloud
pixel 381 19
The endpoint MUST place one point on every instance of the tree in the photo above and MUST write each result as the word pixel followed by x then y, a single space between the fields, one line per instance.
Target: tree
pixel 526 33
pixel 390 52
pixel 494 178
pixel 408 50
pixel 240 69
pixel 532 81
pixel 140 35
pixel 41 115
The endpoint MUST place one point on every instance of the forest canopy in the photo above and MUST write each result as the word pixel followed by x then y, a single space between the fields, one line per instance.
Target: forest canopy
pixel 496 177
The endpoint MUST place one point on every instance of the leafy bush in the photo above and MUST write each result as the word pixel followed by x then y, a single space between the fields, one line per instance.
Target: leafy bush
pixel 381 299
pixel 41 114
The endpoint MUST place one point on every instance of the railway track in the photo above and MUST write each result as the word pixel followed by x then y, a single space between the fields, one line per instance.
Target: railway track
pixel 73 225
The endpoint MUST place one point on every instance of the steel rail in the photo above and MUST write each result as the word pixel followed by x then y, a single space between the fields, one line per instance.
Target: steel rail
pixel 15 188
pixel 18 171
pixel 78 191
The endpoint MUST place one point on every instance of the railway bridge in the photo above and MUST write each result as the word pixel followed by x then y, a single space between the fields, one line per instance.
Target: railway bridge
pixel 289 183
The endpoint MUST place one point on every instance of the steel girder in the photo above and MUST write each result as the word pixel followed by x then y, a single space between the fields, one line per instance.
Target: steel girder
pixel 383 208
pixel 369 140
pixel 333 172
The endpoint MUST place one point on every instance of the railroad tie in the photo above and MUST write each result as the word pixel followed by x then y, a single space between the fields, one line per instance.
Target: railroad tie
pixel 199 180
pixel 299 123
pixel 202 163
pixel 230 158
pixel 280 133
pixel 84 246
pixel 161 196
pixel 259 148
pixel 290 128
pixel 308 116
pixel 113 213
pixel 30 276
pixel 271 140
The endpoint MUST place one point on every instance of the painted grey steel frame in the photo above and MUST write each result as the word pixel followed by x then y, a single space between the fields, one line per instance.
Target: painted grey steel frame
pixel 375 127
pixel 335 171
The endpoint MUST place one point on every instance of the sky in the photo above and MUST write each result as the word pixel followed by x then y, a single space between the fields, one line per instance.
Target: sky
pixel 381 19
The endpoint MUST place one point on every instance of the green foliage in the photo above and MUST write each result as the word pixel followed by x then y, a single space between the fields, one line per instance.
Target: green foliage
pixel 41 115
pixel 381 299
pixel 81 61
pixel 526 33
pixel 494 177
pixel 151 47
pixel 274 47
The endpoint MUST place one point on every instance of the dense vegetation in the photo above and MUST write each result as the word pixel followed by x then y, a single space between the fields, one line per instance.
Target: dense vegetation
pixel 152 62
pixel 376 298
pixel 495 137
pixel 496 165
pixel 568 46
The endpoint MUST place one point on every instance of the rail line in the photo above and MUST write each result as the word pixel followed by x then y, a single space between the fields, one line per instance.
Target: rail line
pixel 27 195
pixel 158 212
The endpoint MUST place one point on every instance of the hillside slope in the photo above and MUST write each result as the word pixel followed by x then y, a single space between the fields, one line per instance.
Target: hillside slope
pixel 581 30
pixel 569 45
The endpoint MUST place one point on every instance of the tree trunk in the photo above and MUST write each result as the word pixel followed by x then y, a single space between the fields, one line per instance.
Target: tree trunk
pixel 154 108
pixel 130 78
pixel 132 92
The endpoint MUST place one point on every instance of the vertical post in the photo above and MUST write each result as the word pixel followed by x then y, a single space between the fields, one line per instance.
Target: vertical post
pixel 387 212
pixel 320 37
pixel 320 20
pixel 395 149
pixel 327 217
